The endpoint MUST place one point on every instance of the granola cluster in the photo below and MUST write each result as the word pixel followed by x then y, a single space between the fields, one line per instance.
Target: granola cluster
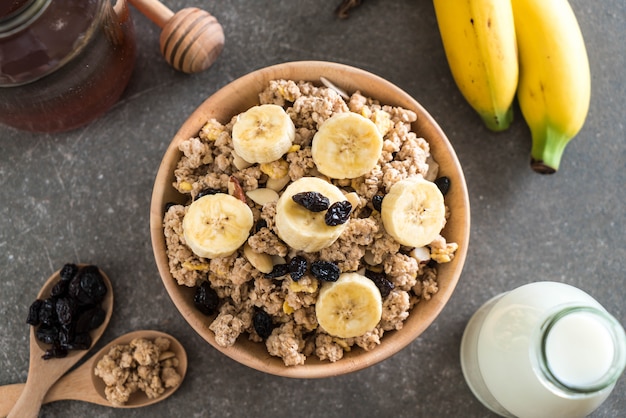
pixel 142 365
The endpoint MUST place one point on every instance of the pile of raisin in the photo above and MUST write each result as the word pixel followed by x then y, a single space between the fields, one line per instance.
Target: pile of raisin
pixel 298 266
pixel 336 214
pixel 72 310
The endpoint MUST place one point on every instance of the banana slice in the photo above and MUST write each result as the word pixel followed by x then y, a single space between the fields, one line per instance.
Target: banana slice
pixel 346 146
pixel 349 307
pixel 263 134
pixel 301 228
pixel 217 225
pixel 413 212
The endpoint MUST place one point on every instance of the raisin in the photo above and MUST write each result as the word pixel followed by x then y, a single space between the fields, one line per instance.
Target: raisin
pixel 93 284
pixel 168 205
pixel 297 267
pixel 205 299
pixel 260 224
pixel 97 318
pixel 55 352
pixel 338 213
pixel 68 271
pixel 206 192
pixel 47 314
pixel 278 270
pixel 80 341
pixel 88 286
pixel 325 270
pixel 90 319
pixel 33 312
pixel 47 334
pixel 66 335
pixel 381 282
pixel 65 310
pixel 74 289
pixel 443 183
pixel 377 202
pixel 263 324
pixel 60 289
pixel 313 201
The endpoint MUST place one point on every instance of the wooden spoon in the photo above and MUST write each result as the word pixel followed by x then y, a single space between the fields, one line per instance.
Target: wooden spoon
pixel 43 373
pixel 81 384
pixel 191 39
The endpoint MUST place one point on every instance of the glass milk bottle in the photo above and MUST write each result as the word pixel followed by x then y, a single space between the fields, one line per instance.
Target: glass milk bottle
pixel 545 349
pixel 62 62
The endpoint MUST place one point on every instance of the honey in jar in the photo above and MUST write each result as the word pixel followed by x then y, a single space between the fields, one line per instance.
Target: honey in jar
pixel 63 63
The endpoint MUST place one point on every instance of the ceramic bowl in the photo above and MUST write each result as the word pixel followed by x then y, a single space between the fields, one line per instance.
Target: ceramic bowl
pixel 242 94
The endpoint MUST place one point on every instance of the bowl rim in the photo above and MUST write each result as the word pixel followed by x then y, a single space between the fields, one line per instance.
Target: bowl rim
pixel 365 82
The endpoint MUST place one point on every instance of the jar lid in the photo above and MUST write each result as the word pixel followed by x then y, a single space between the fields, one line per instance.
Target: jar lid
pixel 11 8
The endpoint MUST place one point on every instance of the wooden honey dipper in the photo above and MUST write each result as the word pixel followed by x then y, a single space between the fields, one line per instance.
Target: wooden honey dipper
pixel 191 39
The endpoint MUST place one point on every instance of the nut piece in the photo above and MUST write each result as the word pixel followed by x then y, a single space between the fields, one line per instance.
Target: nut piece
pixel 262 196
pixel 239 162
pixel 421 254
pixel 277 184
pixel 167 355
pixel 260 261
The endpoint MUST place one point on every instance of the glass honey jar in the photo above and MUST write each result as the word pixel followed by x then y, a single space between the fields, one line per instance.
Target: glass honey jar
pixel 63 63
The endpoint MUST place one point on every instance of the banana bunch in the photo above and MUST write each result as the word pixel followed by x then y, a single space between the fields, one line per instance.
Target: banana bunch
pixel 533 47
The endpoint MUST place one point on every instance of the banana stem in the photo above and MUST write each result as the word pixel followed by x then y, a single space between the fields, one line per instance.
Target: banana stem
pixel 547 150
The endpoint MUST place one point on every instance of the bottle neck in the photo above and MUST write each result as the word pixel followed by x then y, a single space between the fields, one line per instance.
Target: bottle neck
pixel 579 350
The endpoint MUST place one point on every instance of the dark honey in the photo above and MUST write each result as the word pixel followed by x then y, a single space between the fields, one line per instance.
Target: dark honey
pixel 63 63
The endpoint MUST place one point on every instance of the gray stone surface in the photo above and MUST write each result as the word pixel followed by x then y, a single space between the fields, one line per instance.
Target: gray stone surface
pixel 84 196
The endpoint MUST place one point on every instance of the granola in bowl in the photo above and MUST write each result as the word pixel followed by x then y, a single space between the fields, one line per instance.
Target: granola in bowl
pixel 265 296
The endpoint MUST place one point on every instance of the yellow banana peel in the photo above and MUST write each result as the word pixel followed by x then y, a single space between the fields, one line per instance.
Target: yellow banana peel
pixel 555 83
pixel 479 41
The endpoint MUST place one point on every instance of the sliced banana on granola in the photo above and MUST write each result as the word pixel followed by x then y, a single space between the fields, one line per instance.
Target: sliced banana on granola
pixel 217 225
pixel 263 133
pixel 349 307
pixel 413 212
pixel 346 146
pixel 302 228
